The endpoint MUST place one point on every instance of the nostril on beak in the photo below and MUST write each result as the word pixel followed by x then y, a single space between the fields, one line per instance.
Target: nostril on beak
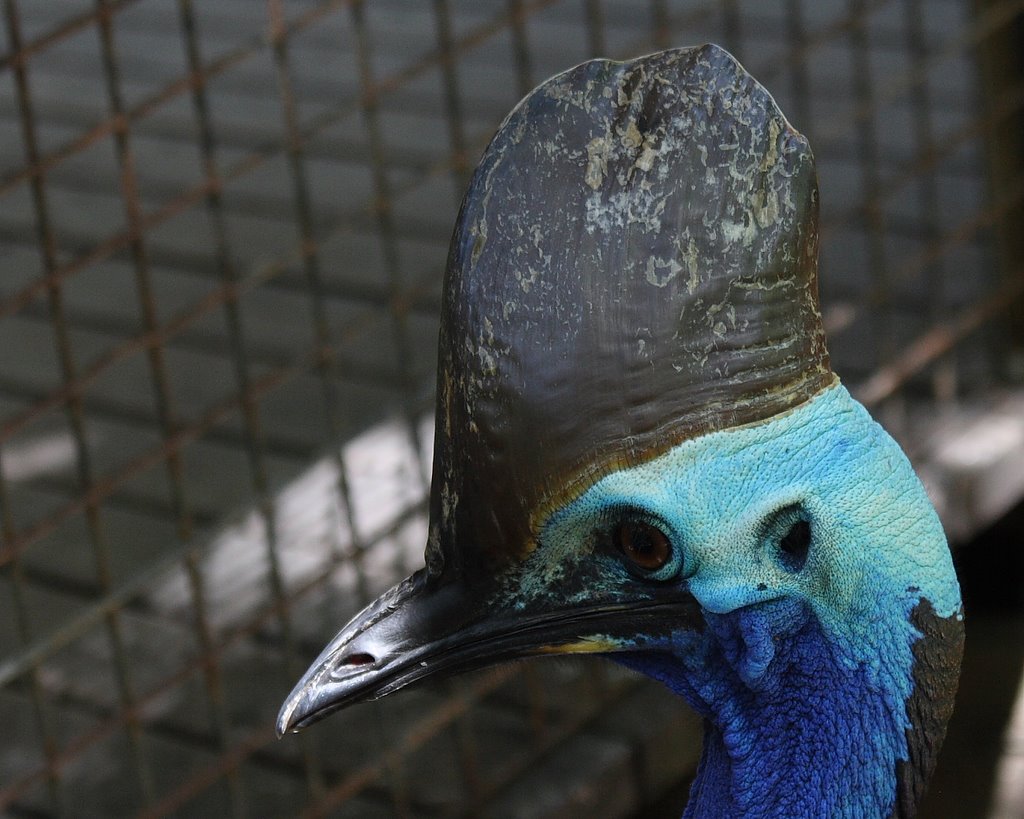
pixel 345 666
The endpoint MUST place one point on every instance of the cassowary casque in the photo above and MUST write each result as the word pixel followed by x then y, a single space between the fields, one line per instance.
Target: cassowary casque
pixel 641 451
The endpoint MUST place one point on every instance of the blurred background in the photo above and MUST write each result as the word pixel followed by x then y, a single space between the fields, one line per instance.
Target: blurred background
pixel 223 227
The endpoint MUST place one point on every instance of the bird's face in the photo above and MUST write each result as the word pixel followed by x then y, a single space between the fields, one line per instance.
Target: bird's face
pixel 812 514
pixel 817 509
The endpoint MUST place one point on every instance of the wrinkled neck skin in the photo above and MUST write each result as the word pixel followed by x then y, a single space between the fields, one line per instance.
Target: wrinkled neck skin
pixel 804 735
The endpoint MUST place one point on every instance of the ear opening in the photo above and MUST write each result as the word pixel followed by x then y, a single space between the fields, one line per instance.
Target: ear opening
pixel 789 532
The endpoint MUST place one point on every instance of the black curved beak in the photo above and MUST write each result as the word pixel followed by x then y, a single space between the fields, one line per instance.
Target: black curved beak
pixel 423 629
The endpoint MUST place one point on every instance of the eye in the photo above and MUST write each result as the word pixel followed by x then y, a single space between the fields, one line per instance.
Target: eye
pixel 644 545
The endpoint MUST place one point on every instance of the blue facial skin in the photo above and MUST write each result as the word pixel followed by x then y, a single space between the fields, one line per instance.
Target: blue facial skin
pixel 804 668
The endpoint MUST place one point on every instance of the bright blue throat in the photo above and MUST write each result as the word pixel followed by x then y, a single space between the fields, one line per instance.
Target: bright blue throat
pixel 790 730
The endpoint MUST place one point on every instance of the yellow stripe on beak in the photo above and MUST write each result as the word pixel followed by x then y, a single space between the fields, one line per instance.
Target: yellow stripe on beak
pixel 588 645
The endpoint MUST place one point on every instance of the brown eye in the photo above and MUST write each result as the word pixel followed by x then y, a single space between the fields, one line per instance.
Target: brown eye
pixel 646 546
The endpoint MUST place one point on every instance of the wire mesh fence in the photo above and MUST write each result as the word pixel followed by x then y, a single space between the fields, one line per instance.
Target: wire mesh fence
pixel 223 229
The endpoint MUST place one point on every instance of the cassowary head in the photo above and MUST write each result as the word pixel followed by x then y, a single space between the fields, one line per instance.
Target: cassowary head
pixel 641 451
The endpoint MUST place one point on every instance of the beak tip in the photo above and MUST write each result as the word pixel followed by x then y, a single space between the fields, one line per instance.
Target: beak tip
pixel 286 718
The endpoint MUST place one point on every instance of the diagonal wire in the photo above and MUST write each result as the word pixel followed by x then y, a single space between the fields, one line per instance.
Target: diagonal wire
pixel 75 417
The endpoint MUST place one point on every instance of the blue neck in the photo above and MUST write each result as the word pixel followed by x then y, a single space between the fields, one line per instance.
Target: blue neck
pixel 790 730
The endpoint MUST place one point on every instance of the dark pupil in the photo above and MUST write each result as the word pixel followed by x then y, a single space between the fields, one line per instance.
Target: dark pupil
pixel 643 544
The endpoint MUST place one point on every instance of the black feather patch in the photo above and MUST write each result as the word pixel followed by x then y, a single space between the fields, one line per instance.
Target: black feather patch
pixel 937 658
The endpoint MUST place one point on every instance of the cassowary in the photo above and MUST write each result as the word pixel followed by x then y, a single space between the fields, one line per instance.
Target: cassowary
pixel 641 451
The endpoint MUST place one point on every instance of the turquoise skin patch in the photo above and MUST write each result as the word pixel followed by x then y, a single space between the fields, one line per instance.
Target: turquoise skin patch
pixel 877 542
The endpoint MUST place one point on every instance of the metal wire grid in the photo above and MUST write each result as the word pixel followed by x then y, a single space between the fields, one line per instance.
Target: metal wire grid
pixel 223 232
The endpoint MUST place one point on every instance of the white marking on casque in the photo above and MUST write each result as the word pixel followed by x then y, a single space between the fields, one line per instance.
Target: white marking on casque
pixel 598 150
pixel 691 257
pixel 743 232
pixel 631 136
pixel 661 271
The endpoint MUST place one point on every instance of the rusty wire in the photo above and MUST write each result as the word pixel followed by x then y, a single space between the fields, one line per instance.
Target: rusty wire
pixel 996 17
pixel 897 362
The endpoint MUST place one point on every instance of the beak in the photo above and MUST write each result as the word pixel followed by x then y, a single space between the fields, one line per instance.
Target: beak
pixel 426 628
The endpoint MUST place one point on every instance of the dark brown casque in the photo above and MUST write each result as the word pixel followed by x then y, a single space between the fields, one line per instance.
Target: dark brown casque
pixel 634 264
